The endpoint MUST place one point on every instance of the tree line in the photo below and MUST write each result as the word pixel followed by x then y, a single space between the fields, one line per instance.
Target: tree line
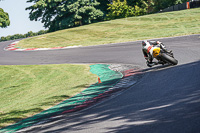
pixel 63 14
pixel 19 36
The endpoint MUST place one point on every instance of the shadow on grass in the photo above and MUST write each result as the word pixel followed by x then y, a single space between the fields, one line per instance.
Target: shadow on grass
pixel 54 99
pixel 16 115
pixel 81 86
pixel 11 87
pixel 166 100
pixel 69 104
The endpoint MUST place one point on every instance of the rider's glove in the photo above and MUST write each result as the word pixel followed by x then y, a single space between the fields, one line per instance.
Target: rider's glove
pixel 158 42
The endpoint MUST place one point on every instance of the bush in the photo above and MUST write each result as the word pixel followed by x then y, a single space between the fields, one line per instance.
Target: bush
pixel 120 9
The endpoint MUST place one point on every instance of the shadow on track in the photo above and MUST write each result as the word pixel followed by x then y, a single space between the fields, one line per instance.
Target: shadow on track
pixel 166 100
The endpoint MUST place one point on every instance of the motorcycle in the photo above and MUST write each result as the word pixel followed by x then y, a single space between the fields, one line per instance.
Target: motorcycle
pixel 163 56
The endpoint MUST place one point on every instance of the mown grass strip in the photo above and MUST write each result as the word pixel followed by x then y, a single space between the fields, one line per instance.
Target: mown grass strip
pixel 109 79
pixel 27 90
pixel 168 24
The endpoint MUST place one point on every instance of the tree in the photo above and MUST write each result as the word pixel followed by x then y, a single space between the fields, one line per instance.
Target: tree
pixel 103 6
pixel 18 36
pixel 61 14
pixel 4 19
pixel 41 32
pixel 135 2
pixel 120 9
pixel 30 34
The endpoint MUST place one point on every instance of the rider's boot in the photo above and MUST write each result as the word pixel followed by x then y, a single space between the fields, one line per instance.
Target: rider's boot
pixel 150 64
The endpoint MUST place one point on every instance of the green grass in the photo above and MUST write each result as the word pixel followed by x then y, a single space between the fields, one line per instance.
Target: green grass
pixel 168 24
pixel 27 90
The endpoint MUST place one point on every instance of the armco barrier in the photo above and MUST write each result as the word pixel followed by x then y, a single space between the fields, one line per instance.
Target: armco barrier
pixel 186 5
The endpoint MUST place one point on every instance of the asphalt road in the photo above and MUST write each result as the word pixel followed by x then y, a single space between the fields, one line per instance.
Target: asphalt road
pixel 165 100
pixel 184 48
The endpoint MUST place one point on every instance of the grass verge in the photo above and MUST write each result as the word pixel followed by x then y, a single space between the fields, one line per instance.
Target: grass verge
pixel 27 90
pixel 168 24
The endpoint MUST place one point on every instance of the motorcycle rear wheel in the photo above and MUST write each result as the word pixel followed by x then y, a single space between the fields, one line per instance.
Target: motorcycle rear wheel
pixel 169 59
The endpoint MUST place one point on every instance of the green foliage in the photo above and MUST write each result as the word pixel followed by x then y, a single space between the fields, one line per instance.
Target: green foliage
pixel 103 6
pixel 19 36
pixel 154 5
pixel 120 9
pixel 162 4
pixel 139 3
pixel 41 32
pixel 30 33
pixel 4 19
pixel 139 11
pixel 181 1
pixel 61 14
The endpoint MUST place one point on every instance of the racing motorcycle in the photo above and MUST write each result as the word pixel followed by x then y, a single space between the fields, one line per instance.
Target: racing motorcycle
pixel 163 56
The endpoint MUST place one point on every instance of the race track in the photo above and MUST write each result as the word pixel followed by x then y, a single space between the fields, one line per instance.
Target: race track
pixel 165 100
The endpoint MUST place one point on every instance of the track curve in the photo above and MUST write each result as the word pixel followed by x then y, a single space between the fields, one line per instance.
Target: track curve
pixel 164 100
pixel 186 49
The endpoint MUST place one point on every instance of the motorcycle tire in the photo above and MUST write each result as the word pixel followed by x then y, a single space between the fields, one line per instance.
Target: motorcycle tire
pixel 169 59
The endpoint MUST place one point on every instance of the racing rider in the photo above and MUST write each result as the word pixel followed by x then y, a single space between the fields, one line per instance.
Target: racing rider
pixel 146 46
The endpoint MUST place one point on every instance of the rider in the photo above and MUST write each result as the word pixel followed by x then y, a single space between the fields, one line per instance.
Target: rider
pixel 146 46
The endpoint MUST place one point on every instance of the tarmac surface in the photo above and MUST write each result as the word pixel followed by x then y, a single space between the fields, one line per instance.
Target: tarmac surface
pixel 166 99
